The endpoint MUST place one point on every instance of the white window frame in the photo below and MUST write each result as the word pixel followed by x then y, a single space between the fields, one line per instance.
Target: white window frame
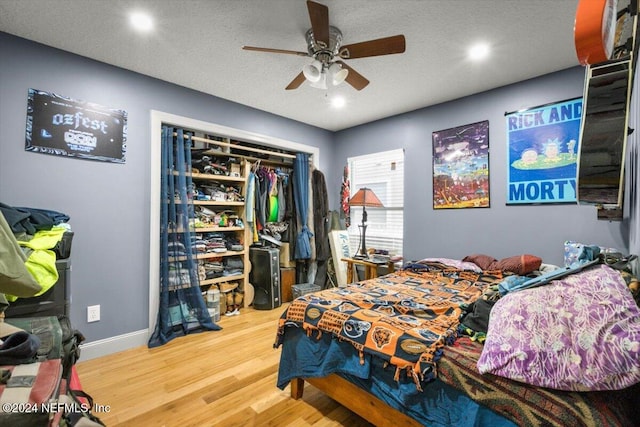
pixel 385 226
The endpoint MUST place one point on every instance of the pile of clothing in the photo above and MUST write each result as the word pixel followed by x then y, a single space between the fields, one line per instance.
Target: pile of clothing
pixel 205 217
pixel 202 161
pixel 31 240
pixel 233 266
pixel 212 268
pixel 217 193
pixel 212 242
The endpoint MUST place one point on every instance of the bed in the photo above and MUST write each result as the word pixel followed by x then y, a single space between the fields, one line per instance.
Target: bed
pixel 391 350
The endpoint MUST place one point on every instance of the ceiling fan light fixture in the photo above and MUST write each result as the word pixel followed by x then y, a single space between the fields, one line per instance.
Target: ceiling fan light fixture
pixel 321 83
pixel 324 46
pixel 337 73
pixel 313 71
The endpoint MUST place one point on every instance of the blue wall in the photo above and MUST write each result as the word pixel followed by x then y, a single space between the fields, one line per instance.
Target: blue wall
pixel 500 230
pixel 108 203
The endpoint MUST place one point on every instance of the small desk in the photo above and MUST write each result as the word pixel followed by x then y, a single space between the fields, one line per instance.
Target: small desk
pixel 370 267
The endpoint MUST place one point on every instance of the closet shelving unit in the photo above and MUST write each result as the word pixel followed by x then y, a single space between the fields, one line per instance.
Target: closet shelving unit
pixel 237 207
pixel 225 147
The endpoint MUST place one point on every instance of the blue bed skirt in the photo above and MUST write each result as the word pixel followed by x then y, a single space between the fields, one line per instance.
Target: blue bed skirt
pixel 438 405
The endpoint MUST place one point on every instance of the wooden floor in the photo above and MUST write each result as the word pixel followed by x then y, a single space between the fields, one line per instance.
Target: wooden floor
pixel 222 378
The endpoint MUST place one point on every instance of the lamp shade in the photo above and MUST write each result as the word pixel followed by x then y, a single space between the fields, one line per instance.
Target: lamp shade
pixel 365 197
pixel 337 73
pixel 313 71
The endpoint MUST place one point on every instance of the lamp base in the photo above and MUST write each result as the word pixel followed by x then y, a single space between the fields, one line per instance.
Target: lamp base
pixel 362 247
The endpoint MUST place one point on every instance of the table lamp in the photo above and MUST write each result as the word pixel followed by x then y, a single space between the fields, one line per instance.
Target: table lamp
pixel 364 197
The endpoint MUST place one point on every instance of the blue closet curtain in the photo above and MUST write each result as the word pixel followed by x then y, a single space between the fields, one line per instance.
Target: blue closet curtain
pixel 301 197
pixel 182 308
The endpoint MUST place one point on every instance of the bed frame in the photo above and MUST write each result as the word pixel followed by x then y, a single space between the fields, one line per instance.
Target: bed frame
pixel 356 399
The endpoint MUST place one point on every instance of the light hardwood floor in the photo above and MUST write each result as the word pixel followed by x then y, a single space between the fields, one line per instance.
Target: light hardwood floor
pixel 223 378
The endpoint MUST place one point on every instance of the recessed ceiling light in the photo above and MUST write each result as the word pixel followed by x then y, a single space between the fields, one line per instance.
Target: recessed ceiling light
pixel 338 102
pixel 141 21
pixel 479 51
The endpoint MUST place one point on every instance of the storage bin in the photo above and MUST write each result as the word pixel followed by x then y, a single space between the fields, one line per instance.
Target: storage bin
pixel 303 289
pixel 213 303
pixel 213 297
pixel 54 302
pixel 63 247
pixel 176 313
pixel 214 312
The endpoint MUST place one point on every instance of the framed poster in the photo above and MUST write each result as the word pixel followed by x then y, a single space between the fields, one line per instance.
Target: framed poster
pixel 461 167
pixel 65 127
pixel 543 152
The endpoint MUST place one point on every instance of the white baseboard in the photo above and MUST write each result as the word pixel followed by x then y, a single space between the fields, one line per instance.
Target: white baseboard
pixel 99 348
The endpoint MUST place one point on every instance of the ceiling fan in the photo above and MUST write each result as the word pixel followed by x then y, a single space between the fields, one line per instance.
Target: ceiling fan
pixel 324 45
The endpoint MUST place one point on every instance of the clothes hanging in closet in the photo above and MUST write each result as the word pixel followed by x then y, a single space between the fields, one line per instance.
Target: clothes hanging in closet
pixel 250 200
pixel 262 186
pixel 269 201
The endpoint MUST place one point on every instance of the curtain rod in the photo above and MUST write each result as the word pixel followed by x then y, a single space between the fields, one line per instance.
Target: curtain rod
pixel 227 144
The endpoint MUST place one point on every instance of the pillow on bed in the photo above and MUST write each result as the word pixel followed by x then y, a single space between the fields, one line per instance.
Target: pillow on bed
pixel 481 260
pixel 455 263
pixel 518 264
pixel 579 333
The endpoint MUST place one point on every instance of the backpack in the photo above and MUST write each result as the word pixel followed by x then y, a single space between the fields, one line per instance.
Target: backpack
pixel 71 340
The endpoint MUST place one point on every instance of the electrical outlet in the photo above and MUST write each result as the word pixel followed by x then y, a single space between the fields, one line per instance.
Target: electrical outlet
pixel 93 313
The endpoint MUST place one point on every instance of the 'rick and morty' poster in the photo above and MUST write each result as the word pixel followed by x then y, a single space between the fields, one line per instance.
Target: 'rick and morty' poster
pixel 543 153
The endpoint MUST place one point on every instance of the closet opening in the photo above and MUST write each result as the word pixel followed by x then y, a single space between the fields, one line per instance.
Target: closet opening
pixel 251 150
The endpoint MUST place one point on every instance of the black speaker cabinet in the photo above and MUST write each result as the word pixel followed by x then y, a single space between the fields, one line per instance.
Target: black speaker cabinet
pixel 265 277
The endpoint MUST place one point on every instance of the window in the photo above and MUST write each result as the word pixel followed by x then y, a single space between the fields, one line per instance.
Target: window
pixel 384 174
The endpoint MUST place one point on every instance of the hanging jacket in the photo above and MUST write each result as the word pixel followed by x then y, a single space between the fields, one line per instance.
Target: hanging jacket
pixel 282 199
pixel 250 198
pixel 320 215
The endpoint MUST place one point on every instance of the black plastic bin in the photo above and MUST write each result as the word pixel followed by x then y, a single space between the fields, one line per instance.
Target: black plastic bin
pixel 54 302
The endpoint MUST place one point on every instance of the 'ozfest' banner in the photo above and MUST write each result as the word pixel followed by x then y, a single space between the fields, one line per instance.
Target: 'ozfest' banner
pixel 63 126
pixel 543 152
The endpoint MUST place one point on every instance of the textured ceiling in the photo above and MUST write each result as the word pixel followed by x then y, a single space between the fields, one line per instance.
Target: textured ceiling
pixel 197 44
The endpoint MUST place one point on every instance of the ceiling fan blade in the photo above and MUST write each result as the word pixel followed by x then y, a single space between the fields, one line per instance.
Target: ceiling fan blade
pixel 354 78
pixel 295 83
pixel 266 49
pixel 319 16
pixel 384 46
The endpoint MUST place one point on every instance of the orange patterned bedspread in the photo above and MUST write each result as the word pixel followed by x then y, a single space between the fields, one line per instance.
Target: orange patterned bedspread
pixel 404 318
